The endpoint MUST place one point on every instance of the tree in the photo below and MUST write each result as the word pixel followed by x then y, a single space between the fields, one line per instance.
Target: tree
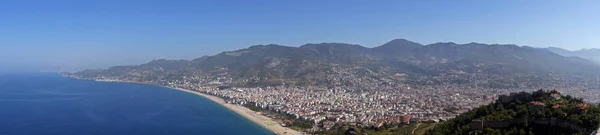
pixel 526 124
pixel 501 108
pixel 522 131
pixel 491 108
pixel 491 131
pixel 568 97
pixel 521 111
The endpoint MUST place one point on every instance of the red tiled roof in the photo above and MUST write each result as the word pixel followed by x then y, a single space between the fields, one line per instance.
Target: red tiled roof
pixel 582 106
pixel 537 103
pixel 556 106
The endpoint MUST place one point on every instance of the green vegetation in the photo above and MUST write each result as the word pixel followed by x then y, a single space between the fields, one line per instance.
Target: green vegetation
pixel 450 109
pixel 526 114
pixel 416 129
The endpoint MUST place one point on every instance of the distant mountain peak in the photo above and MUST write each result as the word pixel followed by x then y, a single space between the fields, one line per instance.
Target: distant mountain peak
pixel 266 46
pixel 590 49
pixel 398 46
pixel 328 44
pixel 590 54
pixel 401 42
pixel 201 58
pixel 443 43
pixel 154 61
pixel 158 60
pixel 475 43
pixel 556 48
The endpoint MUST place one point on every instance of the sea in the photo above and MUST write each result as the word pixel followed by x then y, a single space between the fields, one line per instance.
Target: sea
pixel 50 104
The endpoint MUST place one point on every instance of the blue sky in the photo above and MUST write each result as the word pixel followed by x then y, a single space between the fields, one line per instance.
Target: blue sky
pixel 79 34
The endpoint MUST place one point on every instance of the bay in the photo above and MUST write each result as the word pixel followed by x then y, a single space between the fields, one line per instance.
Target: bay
pixel 49 104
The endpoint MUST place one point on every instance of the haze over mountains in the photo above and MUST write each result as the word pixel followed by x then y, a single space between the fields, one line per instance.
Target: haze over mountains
pixel 591 54
pixel 399 60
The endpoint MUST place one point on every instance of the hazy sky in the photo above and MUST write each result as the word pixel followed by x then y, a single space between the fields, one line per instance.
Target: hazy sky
pixel 77 34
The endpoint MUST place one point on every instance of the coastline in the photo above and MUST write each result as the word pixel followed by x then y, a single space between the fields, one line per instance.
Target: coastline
pixel 248 114
pixel 253 116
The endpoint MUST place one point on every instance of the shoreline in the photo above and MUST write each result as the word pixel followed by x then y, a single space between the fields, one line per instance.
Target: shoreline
pixel 253 116
pixel 248 114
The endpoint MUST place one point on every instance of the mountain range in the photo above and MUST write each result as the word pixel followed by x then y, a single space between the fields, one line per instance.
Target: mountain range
pixel 591 54
pixel 399 60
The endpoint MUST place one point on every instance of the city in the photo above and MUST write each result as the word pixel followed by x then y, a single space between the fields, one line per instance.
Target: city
pixel 360 104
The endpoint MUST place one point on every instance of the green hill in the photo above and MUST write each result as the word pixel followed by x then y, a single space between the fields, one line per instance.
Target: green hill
pixel 541 112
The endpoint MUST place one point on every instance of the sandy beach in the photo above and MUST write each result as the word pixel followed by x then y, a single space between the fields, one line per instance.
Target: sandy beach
pixel 249 114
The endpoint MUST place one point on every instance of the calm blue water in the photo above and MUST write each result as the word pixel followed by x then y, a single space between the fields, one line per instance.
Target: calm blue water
pixel 48 104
